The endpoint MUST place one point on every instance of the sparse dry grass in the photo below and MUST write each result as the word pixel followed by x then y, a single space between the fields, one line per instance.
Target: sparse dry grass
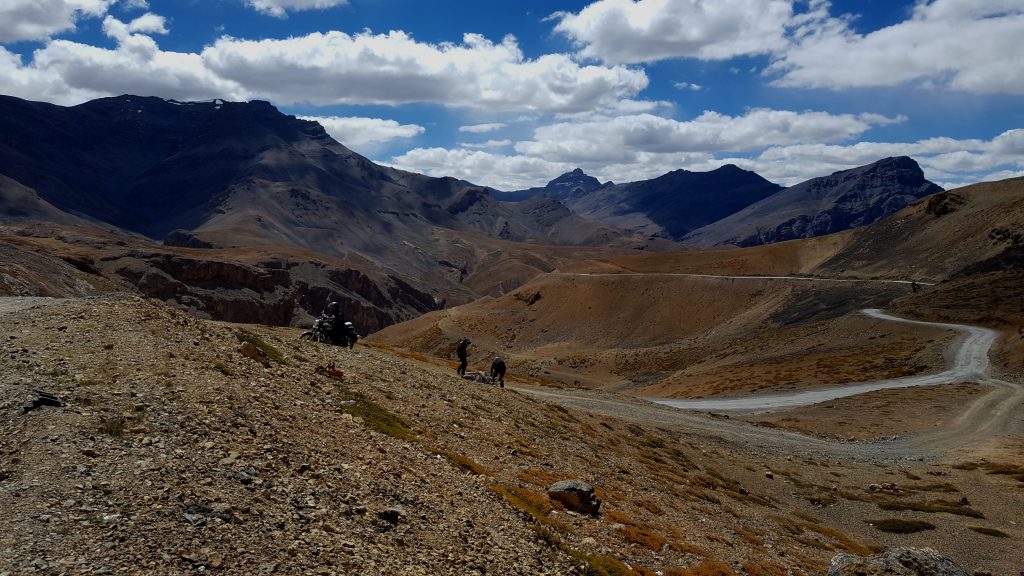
pixel 946 506
pixel 273 353
pixel 223 368
pixel 529 502
pixel 989 531
pixel 705 568
pixel 467 464
pixel 763 569
pixel 644 536
pixel 592 564
pixel 538 477
pixel 900 526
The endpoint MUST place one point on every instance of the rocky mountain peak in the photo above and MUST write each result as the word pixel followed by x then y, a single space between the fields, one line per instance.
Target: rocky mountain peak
pixel 841 200
pixel 577 179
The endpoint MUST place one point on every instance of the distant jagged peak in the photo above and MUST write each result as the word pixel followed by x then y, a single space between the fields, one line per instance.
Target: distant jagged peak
pixel 902 170
pixel 729 168
pixel 575 179
pixel 887 164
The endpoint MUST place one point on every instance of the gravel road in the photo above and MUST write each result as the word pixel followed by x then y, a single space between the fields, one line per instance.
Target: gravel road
pixel 994 414
pixel 970 362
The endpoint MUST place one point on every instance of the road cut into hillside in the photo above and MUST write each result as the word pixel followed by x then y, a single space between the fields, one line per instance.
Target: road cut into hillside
pixel 748 277
pixel 995 414
pixel 970 362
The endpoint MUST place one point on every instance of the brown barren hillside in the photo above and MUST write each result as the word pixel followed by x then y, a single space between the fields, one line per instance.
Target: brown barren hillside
pixel 281 285
pixel 664 324
pixel 938 236
pixel 186 445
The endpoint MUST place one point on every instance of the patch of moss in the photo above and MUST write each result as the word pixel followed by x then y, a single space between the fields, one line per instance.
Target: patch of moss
pixel 601 565
pixel 467 464
pixel 223 368
pixel 593 565
pixel 377 417
pixel 271 352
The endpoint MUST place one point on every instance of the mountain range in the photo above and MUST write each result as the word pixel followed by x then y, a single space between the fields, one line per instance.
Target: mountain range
pixel 237 211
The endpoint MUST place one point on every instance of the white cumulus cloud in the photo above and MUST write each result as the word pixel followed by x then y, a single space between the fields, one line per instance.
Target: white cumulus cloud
pixel 947 161
pixel 280 8
pixel 608 139
pixel 321 68
pixel 635 31
pixel 66 72
pixel 40 19
pixel 967 45
pixel 486 144
pixel 393 68
pixel 482 128
pixel 363 134
pixel 784 147
pixel 484 168
pixel 148 23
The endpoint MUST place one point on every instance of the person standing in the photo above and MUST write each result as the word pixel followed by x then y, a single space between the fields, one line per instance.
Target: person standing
pixel 336 320
pixel 498 371
pixel 463 353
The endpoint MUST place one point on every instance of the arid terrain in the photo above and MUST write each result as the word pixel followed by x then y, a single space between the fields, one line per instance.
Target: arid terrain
pixel 184 444
pixel 188 445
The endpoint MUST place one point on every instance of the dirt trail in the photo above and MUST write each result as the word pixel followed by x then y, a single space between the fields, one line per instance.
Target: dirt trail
pixel 744 277
pixel 994 414
pixel 10 304
pixel 970 362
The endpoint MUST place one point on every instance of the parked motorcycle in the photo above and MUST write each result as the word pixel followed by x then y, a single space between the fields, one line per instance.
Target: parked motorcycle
pixel 323 330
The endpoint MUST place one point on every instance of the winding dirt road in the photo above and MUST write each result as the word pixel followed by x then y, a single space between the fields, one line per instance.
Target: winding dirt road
pixel 10 304
pixel 994 414
pixel 970 363
pixel 739 277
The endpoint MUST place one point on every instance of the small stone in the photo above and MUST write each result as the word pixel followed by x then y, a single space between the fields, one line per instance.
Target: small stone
pixel 89 452
pixel 392 514
pixel 769 475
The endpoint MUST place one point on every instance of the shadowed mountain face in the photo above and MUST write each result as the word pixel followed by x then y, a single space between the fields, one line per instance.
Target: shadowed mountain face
pixel 823 205
pixel 233 178
pixel 668 206
pixel 154 166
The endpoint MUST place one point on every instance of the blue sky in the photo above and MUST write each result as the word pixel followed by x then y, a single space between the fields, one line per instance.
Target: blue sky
pixel 512 94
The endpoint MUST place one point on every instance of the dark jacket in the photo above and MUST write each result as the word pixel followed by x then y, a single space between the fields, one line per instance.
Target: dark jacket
pixel 498 368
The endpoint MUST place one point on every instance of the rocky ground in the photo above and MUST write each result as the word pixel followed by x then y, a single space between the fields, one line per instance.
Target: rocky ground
pixel 189 446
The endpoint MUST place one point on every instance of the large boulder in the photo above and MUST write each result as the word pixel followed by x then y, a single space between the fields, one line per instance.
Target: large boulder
pixel 896 561
pixel 575 495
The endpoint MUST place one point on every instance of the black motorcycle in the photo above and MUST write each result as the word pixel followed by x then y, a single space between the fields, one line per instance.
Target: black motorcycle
pixel 323 330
